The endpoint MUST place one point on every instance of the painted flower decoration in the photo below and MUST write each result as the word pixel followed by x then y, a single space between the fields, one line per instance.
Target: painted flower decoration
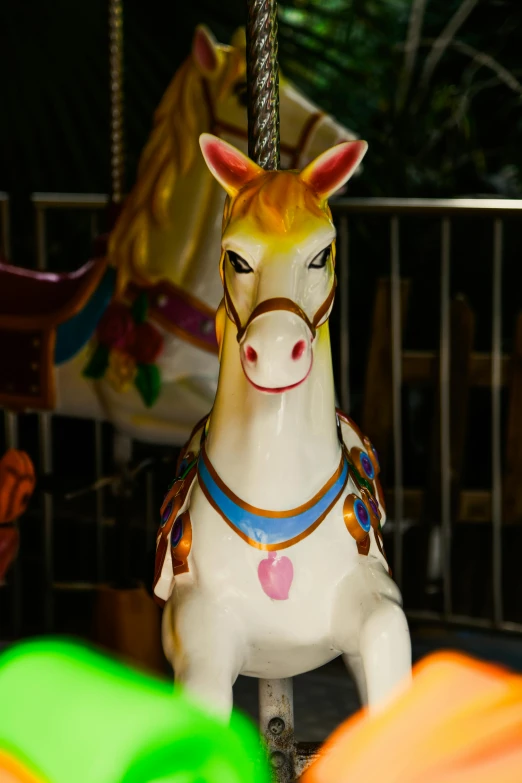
pixel 116 328
pixel 127 348
pixel 147 344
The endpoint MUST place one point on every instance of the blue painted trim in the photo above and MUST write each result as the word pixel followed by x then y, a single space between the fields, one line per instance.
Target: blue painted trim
pixel 268 530
pixel 72 335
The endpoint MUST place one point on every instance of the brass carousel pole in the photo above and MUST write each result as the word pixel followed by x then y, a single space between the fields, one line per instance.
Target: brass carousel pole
pixel 122 444
pixel 116 88
pixel 276 709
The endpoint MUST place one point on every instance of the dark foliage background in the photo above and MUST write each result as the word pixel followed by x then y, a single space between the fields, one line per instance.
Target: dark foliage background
pixel 434 85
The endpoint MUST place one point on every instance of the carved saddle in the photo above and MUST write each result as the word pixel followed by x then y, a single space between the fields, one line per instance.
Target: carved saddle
pixel 33 305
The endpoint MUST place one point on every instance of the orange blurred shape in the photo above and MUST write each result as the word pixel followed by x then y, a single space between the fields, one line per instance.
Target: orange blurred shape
pixel 13 771
pixel 17 482
pixel 459 722
pixel 9 539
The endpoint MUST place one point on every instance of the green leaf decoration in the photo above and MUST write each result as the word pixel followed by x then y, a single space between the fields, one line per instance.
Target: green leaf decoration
pixel 140 308
pixel 98 363
pixel 148 383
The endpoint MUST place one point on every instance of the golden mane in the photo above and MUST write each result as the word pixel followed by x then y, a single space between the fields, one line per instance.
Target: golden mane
pixel 180 118
pixel 276 201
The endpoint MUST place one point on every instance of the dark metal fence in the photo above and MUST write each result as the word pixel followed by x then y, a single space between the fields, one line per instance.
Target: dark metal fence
pixel 391 214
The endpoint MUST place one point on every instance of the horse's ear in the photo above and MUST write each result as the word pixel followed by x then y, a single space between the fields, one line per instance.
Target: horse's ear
pixel 238 40
pixel 232 169
pixel 205 51
pixel 333 168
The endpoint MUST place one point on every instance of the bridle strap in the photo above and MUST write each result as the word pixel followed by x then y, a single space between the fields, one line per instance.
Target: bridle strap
pixel 326 305
pixel 305 134
pixel 278 303
pixel 241 133
pixel 272 305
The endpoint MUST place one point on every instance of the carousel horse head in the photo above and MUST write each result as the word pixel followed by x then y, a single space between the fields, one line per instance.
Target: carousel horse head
pixel 278 257
pixel 306 131
pixel 172 208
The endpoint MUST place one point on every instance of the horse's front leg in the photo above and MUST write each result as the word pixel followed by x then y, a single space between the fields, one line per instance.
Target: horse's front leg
pixel 371 629
pixel 206 650
pixel 385 649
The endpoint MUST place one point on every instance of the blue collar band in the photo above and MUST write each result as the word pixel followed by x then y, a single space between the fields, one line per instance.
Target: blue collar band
pixel 270 530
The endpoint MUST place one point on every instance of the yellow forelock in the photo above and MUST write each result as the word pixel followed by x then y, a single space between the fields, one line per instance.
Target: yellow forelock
pixel 277 202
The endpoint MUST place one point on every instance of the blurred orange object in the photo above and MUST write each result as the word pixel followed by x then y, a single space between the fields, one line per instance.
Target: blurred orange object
pixel 17 482
pixel 459 722
pixel 9 538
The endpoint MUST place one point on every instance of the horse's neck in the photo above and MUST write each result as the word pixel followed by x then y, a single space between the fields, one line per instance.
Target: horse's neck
pixel 201 276
pixel 189 245
pixel 274 451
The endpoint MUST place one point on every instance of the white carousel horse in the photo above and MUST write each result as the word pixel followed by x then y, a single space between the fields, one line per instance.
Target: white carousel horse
pixel 270 556
pixel 152 364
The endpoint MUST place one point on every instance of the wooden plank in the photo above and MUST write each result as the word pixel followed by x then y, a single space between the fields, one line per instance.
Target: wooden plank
pixel 377 412
pixel 512 490
pixel 421 367
pixel 474 505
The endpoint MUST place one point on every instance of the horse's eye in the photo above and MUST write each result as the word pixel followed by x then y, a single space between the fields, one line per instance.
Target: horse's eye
pixel 240 91
pixel 239 264
pixel 319 262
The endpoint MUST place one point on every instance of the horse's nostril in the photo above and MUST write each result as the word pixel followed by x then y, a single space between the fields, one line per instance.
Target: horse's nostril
pixel 298 350
pixel 250 354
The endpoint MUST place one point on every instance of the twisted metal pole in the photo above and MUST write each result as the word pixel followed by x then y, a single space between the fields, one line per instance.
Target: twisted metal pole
pixel 263 83
pixel 276 719
pixel 116 88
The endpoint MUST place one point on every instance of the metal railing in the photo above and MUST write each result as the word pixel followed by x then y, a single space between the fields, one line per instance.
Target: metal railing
pixel 494 210
pixel 345 210
pixel 43 202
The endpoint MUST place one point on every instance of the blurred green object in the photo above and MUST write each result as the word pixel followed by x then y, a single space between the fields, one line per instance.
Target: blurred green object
pixel 71 715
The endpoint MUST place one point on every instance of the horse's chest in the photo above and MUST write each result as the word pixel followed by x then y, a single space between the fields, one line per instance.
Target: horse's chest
pixel 266 530
pixel 302 572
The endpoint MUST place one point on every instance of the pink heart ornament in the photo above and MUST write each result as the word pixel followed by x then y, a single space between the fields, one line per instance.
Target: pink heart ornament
pixel 276 575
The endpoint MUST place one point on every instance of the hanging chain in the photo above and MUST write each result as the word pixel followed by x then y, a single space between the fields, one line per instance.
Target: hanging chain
pixel 116 84
pixel 263 83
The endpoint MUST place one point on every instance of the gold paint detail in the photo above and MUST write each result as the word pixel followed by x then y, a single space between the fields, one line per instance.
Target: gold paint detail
pixel 178 495
pixel 278 304
pixel 181 551
pixel 355 454
pixel 369 448
pixel 261 512
pixel 350 423
pixel 362 537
